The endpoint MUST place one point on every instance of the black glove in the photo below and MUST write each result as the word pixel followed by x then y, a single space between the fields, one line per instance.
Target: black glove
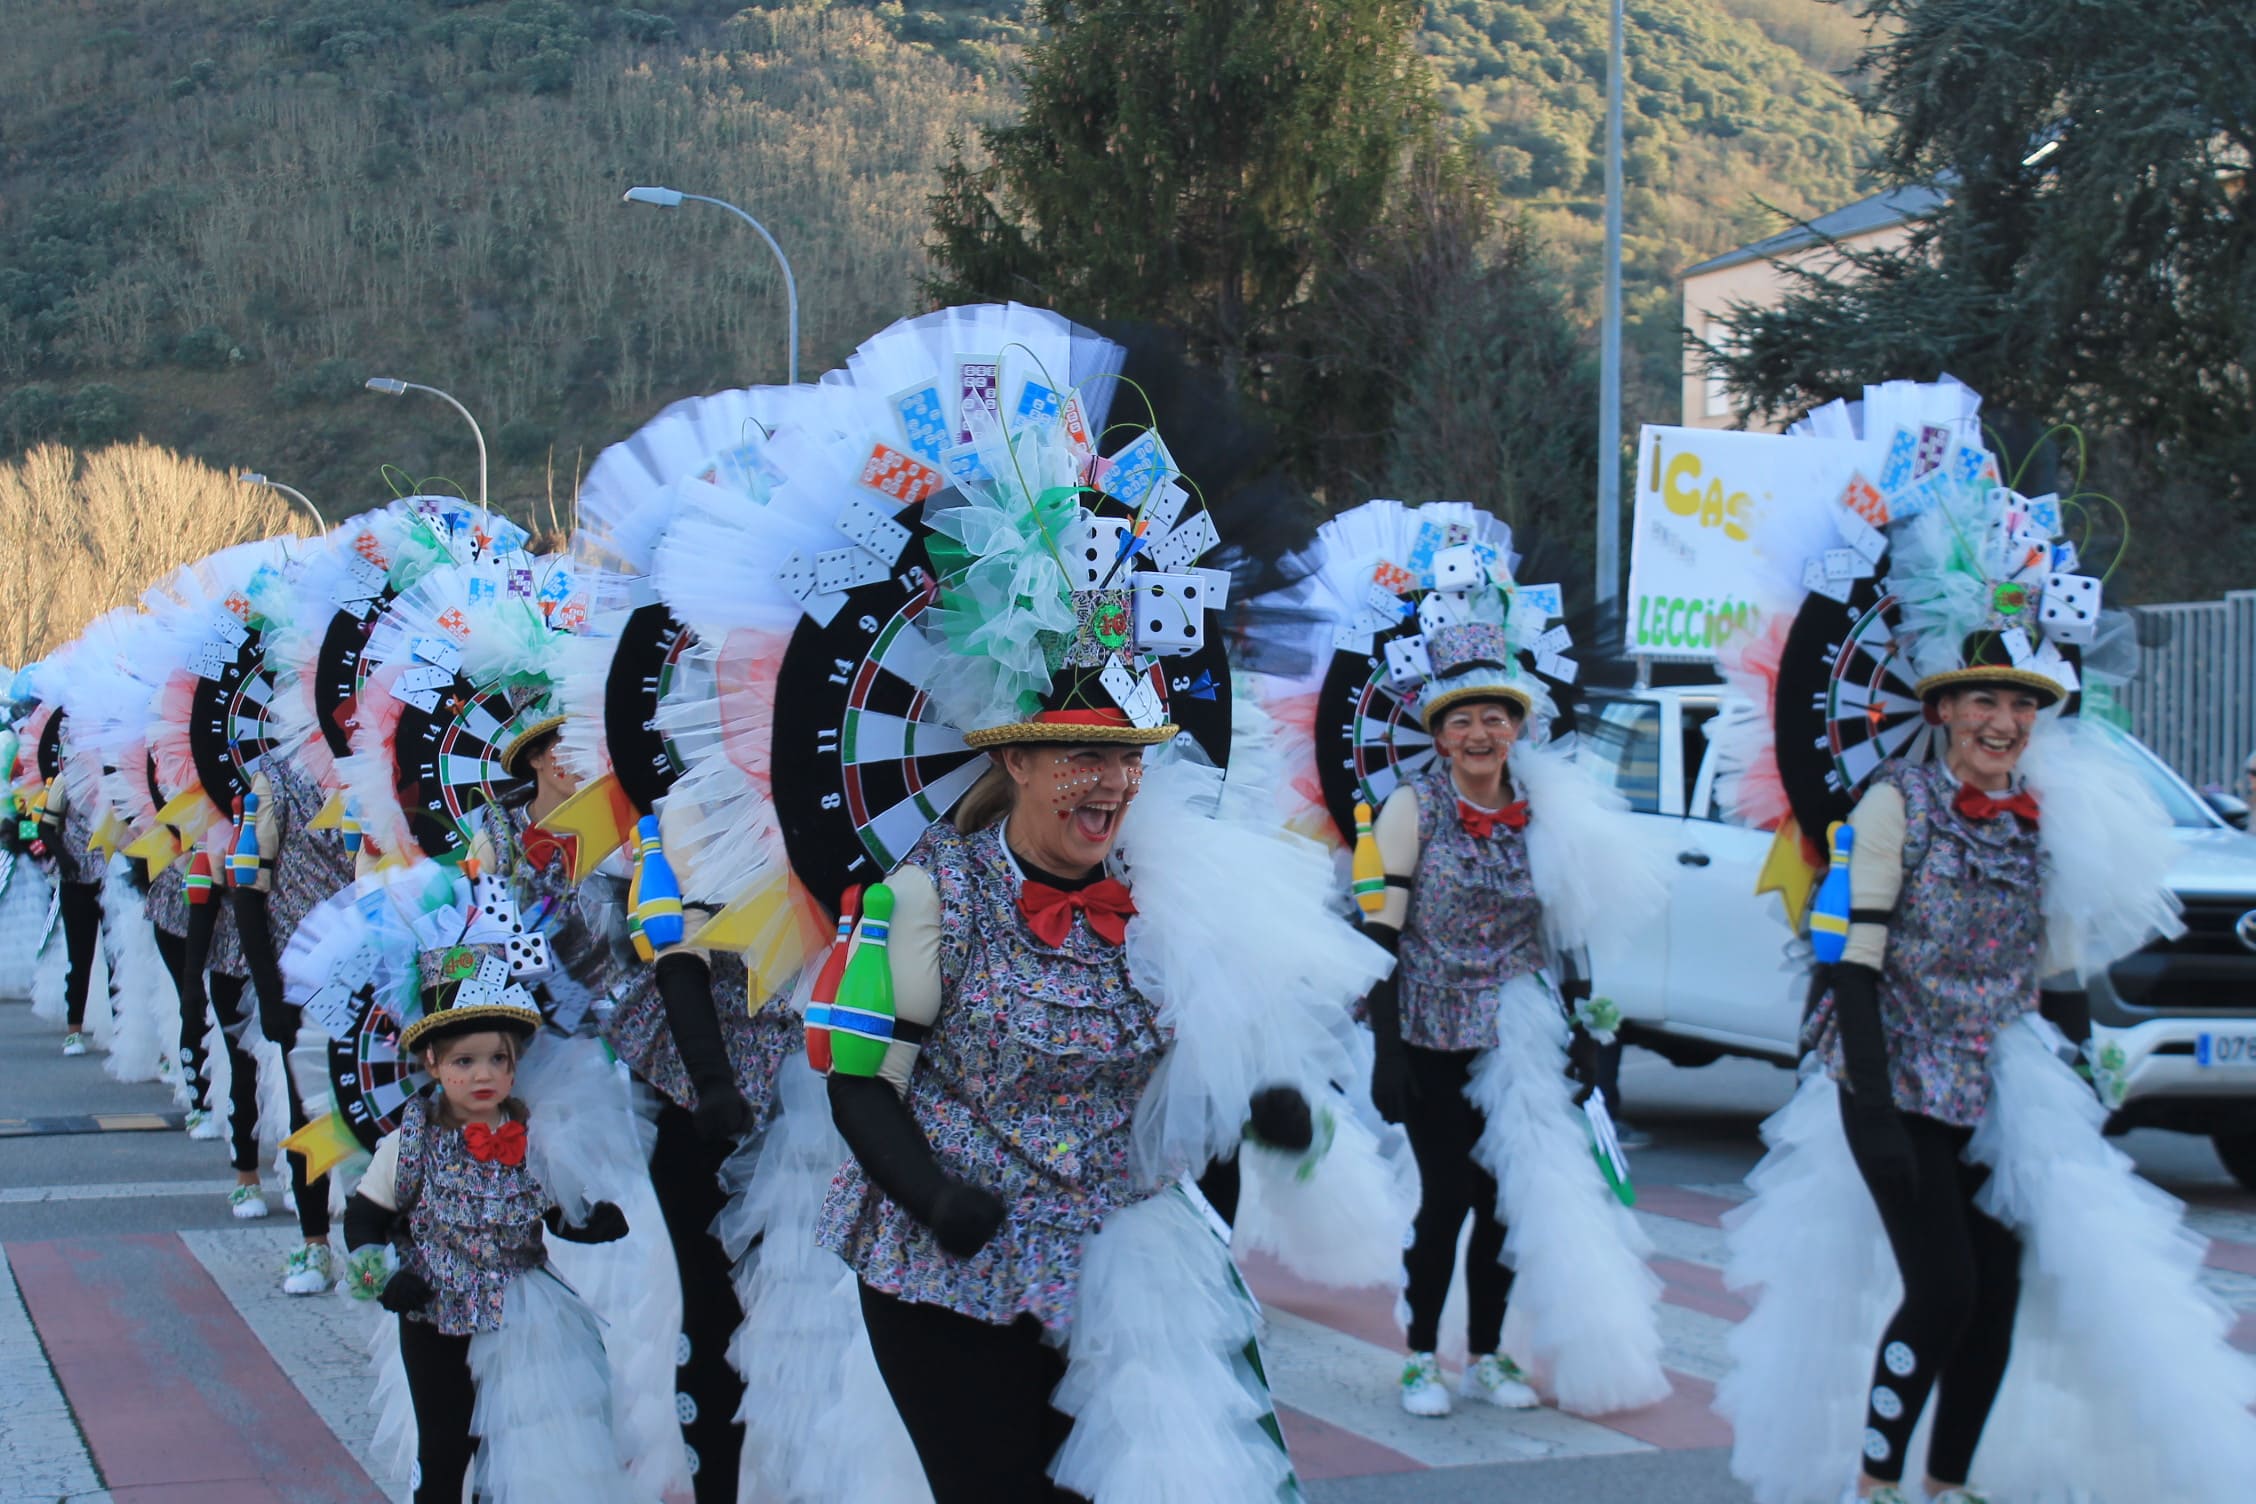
pixel 685 984
pixel 878 1126
pixel 2069 1012
pixel 254 926
pixel 405 1291
pixel 604 1223
pixel 1279 1117
pixel 1393 1090
pixel 1876 1130
pixel 1582 1060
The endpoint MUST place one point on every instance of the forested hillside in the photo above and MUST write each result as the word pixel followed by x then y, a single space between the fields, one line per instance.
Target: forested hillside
pixel 218 216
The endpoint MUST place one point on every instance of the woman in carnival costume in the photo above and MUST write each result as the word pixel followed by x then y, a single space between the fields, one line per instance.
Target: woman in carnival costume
pixel 1939 1227
pixel 503 1364
pixel 669 729
pixel 26 897
pixel 1035 1039
pixel 65 832
pixel 201 760
pixel 1493 861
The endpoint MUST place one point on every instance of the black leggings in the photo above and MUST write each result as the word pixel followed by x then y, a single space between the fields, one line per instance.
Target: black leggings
pixel 278 1021
pixel 1962 1284
pixel 685 1174
pixel 438 1381
pixel 81 908
pixel 1444 1126
pixel 975 1398
pixel 242 1072
pixel 195 1062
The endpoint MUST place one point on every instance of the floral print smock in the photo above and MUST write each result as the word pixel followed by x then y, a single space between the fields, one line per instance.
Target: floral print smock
pixel 168 900
pixel 758 1043
pixel 1028 1086
pixel 1474 923
pixel 1963 947
pixel 472 1225
pixel 309 865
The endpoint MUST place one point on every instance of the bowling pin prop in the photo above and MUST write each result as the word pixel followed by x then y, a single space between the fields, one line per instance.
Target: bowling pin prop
pixel 1369 871
pixel 658 904
pixel 861 1019
pixel 243 856
pixel 27 827
pixel 1829 911
pixel 825 991
pixel 349 825
pixel 200 882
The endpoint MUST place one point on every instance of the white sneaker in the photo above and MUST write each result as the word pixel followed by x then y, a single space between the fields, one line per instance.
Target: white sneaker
pixel 1498 1381
pixel 203 1125
pixel 1422 1390
pixel 247 1202
pixel 1959 1495
pixel 308 1271
pixel 74 1043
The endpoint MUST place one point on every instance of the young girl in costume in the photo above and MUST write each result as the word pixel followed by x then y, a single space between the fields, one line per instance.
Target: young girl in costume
pixel 1939 1227
pixel 445 1231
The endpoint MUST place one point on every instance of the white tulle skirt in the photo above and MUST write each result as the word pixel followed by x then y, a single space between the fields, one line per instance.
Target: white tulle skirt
pixel 1162 1379
pixel 593 1145
pixel 27 910
pixel 543 1415
pixel 145 1031
pixel 2122 1388
pixel 819 1425
pixel 1585 1308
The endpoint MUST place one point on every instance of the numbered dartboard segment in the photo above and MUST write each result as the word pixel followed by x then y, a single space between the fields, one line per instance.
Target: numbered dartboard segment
pixel 228 734
pixel 373 1077
pixel 1368 738
pixel 340 671
pixel 863 763
pixel 648 664
pixel 448 766
pixel 1846 704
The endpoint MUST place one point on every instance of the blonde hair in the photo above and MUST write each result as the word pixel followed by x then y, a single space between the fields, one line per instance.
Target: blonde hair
pixel 989 800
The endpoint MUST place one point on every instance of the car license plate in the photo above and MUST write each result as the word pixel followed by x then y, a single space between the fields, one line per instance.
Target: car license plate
pixel 2224 1049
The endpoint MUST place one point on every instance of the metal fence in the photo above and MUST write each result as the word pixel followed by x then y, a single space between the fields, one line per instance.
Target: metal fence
pixel 2194 700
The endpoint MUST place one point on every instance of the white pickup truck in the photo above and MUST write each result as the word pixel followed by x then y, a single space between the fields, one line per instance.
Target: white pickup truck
pixel 1719 972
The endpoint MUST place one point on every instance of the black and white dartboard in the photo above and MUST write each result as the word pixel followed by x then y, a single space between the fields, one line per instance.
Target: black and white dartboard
pixel 1846 703
pixel 372 1076
pixel 649 664
pixel 228 730
pixel 447 766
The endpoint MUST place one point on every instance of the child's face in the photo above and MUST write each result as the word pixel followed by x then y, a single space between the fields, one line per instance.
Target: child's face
pixel 476 1072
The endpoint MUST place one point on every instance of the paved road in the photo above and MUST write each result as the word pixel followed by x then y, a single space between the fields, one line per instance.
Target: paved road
pixel 145 1354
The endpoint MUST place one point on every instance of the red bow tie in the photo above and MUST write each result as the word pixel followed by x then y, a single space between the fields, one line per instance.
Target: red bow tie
pixel 506 1143
pixel 544 846
pixel 1976 805
pixel 1480 824
pixel 1049 911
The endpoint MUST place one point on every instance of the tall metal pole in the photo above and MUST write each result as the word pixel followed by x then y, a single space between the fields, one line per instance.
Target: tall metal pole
pixel 1610 335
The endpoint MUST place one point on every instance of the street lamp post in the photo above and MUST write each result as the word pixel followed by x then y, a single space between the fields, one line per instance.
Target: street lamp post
pixel 253 478
pixel 392 386
pixel 670 198
pixel 1610 335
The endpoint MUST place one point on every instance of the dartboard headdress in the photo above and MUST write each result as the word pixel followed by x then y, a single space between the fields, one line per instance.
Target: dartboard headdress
pixel 1929 571
pixel 1417 609
pixel 905 596
pixel 434 720
pixel 211 730
pixel 112 691
pixel 342 587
